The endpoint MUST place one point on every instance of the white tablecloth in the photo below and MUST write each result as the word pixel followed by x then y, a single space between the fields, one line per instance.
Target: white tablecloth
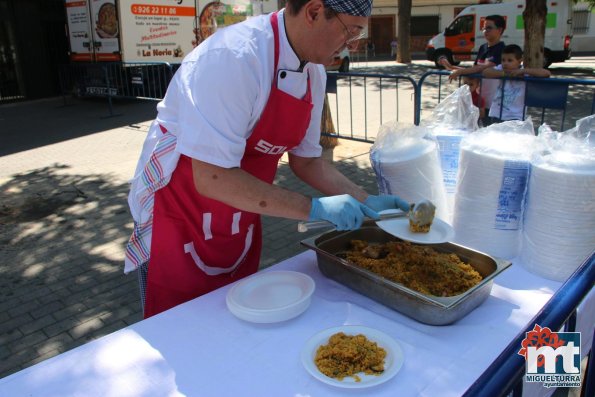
pixel 200 349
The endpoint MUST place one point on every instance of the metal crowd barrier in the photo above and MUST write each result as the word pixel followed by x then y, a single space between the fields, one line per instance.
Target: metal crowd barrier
pixel 10 90
pixel 552 100
pixel 146 80
pixel 506 373
pixel 360 103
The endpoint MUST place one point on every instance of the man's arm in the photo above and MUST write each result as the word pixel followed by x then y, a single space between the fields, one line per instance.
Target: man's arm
pixel 323 176
pixel 239 189
pixel 343 206
pixel 447 65
pixel 479 68
pixel 493 72
pixel 536 72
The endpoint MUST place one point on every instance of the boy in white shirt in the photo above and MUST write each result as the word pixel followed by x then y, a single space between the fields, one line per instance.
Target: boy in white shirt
pixel 509 101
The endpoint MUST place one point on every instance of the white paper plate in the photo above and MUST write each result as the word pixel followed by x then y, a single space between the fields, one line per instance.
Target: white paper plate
pixel 392 362
pixel 440 232
pixel 270 297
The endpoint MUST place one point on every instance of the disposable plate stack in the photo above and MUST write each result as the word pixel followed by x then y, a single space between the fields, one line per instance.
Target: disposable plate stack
pixel 411 171
pixel 559 228
pixel 492 181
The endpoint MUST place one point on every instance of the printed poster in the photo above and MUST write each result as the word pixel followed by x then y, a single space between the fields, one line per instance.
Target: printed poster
pixel 77 17
pixel 157 30
pixel 216 15
pixel 147 30
pixel 106 30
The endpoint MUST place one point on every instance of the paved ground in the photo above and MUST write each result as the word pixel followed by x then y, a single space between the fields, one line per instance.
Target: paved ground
pixel 64 222
pixel 64 219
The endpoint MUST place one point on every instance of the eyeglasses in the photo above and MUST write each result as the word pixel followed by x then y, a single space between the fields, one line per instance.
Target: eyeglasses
pixel 488 28
pixel 352 35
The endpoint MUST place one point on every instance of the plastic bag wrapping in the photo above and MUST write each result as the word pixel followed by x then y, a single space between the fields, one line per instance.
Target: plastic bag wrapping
pixel 456 111
pixel 406 162
pixel 449 144
pixel 451 120
pixel 559 223
pixel 585 128
pixel 583 131
pixel 492 182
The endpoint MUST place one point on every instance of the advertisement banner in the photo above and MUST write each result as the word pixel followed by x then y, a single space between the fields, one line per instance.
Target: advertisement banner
pixel 157 30
pixel 79 33
pixel 106 30
pixel 216 15
pixel 147 30
pixel 167 30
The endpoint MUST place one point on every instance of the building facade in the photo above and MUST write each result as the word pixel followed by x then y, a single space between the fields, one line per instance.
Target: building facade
pixel 33 44
pixel 34 40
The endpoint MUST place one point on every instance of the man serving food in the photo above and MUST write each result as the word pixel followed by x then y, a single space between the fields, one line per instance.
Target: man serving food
pixel 241 99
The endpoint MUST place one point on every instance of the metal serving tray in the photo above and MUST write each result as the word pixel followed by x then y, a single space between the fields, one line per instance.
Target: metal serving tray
pixel 433 310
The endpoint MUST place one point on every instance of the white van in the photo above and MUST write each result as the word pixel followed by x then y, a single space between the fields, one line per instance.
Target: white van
pixel 462 38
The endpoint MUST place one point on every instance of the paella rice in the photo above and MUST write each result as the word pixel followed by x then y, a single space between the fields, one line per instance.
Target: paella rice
pixel 418 228
pixel 347 355
pixel 418 267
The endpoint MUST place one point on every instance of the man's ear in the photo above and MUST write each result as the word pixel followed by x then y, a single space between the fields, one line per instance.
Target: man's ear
pixel 314 9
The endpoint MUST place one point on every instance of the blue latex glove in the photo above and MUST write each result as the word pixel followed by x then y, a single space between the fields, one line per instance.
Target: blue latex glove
pixel 345 212
pixel 386 202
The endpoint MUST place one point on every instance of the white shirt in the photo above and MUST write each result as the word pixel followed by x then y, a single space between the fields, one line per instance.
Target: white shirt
pixel 210 109
pixel 514 99
pixel 223 85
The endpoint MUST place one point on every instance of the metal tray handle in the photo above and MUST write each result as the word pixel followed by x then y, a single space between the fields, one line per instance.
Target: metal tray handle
pixel 305 226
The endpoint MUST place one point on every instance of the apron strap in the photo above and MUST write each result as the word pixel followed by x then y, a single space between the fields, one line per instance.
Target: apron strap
pixel 275 25
pixel 308 96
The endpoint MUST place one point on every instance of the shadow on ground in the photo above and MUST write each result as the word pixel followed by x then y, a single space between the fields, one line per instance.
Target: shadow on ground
pixel 27 127
pixel 62 238
pixel 61 283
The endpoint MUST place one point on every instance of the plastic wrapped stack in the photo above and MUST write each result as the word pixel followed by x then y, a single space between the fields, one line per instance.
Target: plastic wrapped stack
pixel 492 182
pixel 559 225
pixel 449 142
pixel 407 164
pixel 451 120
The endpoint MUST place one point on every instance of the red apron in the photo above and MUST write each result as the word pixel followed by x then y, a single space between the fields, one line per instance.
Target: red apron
pixel 200 244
